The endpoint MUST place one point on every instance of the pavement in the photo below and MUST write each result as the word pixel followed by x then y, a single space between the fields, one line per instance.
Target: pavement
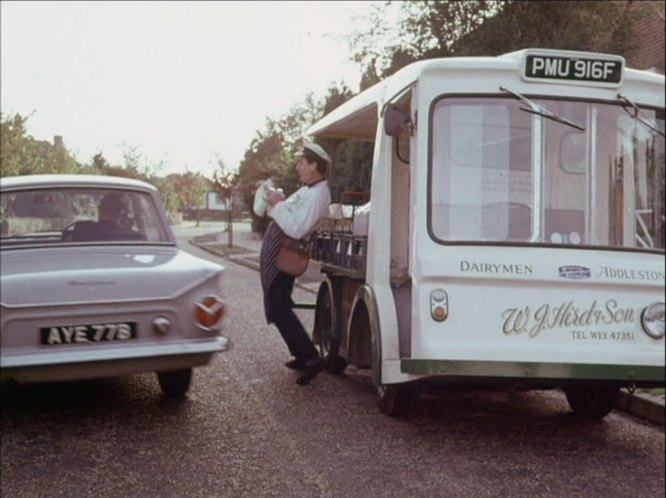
pixel 243 247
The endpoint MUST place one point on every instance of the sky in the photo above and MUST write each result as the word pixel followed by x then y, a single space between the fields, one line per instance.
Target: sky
pixel 183 84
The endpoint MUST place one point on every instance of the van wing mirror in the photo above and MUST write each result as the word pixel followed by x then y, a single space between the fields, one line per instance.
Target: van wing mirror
pixel 394 120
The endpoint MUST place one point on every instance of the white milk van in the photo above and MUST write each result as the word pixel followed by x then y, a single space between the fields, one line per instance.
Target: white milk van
pixel 514 233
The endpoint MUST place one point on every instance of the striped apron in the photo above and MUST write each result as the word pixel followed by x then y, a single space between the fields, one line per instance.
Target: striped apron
pixel 268 269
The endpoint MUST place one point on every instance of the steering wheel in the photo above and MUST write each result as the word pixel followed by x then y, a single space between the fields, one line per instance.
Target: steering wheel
pixel 74 230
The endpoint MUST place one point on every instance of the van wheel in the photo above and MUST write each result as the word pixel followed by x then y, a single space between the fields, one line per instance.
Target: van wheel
pixel 592 402
pixel 394 400
pixel 328 347
pixel 175 383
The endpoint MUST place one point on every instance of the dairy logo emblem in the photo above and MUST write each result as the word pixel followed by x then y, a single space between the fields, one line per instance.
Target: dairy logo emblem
pixel 573 272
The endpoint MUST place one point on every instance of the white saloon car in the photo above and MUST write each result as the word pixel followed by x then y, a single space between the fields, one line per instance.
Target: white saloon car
pixel 93 284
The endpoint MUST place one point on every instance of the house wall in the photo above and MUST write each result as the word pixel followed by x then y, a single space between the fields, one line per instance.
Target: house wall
pixel 214 203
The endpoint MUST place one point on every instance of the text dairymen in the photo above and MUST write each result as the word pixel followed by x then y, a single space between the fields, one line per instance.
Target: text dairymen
pixel 495 268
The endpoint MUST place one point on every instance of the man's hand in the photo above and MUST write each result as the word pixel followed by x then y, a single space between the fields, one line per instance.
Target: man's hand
pixel 273 196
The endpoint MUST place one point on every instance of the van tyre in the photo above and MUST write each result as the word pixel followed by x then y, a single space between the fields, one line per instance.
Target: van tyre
pixel 394 400
pixel 328 347
pixel 592 402
pixel 175 383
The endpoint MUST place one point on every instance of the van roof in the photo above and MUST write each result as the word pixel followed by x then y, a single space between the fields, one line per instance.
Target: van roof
pixel 357 118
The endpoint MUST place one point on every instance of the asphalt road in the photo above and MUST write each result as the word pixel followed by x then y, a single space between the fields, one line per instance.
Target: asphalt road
pixel 247 430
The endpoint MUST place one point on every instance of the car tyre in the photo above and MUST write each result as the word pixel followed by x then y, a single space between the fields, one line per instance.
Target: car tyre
pixel 175 383
pixel 592 402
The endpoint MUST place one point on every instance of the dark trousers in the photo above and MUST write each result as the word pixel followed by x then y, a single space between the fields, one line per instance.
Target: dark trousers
pixel 281 313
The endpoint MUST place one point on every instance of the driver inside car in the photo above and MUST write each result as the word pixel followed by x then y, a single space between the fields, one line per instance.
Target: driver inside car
pixel 112 223
pixel 110 211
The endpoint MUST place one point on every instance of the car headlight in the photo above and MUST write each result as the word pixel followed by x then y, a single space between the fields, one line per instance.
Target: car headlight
pixel 208 313
pixel 652 320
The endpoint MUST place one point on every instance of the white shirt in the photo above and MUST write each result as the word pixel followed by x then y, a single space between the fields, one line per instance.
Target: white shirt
pixel 300 214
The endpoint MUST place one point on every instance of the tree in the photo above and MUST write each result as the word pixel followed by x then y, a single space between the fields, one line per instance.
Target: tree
pixel 373 47
pixel 352 168
pixel 191 189
pixel 437 28
pixel 99 162
pixel 261 161
pixel 567 25
pixel 20 154
pixel 138 163
pixel 224 181
pixel 17 149
pixel 168 194
pixel 136 166
pixel 352 161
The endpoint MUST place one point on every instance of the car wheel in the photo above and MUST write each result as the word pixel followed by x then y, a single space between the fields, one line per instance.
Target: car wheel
pixel 394 400
pixel 592 402
pixel 175 383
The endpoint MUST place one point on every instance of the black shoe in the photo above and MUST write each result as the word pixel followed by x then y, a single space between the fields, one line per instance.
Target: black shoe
pixel 295 364
pixel 312 367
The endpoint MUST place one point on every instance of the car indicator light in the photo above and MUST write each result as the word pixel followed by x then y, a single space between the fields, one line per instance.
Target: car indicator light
pixel 208 313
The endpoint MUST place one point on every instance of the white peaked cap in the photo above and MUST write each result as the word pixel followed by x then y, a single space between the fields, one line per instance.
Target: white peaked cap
pixel 317 150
